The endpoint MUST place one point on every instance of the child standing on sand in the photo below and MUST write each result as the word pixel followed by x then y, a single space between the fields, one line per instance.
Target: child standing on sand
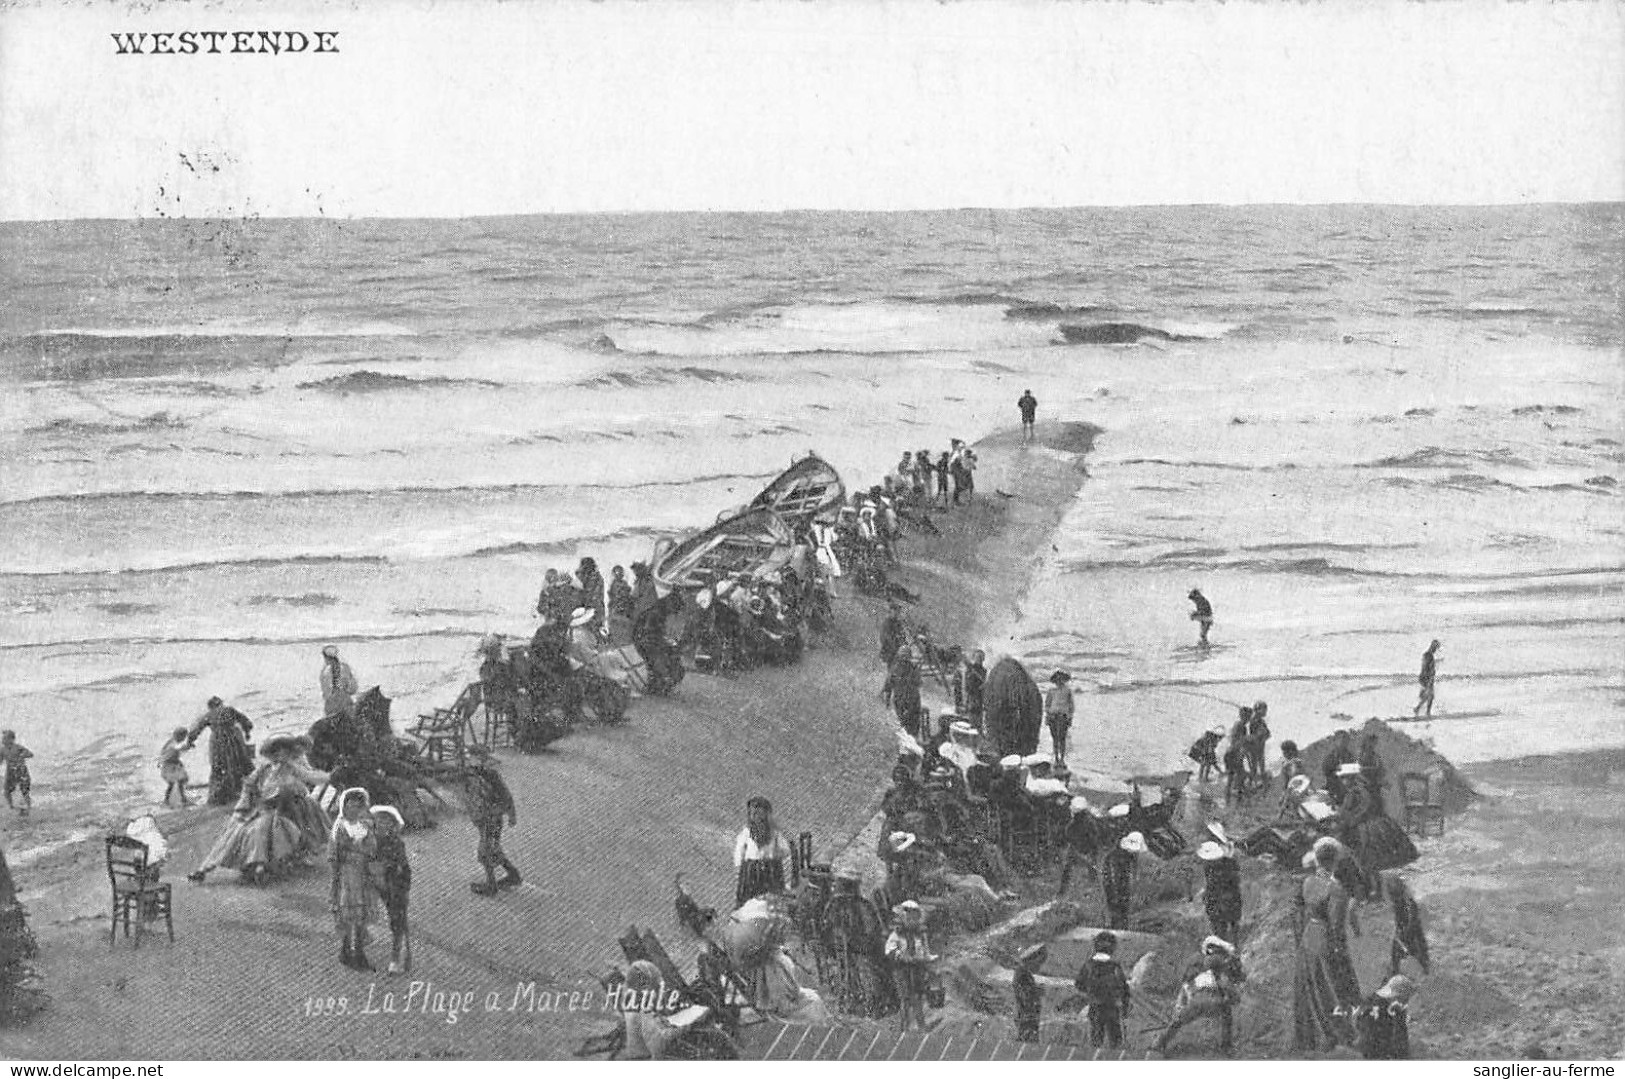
pixel 170 768
pixel 15 755
pixel 394 883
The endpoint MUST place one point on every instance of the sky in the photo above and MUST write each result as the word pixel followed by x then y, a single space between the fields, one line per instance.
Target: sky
pixel 474 108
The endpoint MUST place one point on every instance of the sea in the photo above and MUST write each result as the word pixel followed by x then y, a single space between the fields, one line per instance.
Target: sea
pixel 226 443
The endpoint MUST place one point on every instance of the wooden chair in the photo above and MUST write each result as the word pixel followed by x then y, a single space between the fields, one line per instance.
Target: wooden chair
pixel 1424 810
pixel 135 887
pixel 446 733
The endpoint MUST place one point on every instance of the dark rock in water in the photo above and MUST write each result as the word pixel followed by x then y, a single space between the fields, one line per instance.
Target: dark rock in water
pixel 1400 753
pixel 1043 312
pixel 1114 333
pixel 604 343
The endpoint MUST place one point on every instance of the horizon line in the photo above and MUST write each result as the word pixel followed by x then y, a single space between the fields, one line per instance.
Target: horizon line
pixel 253 216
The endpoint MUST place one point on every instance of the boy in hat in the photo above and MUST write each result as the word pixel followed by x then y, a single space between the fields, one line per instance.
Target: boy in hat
pixel 1221 891
pixel 910 954
pixel 1382 1021
pixel 1058 708
pixel 1209 989
pixel 1117 878
pixel 1029 997
pixel 1105 990
pixel 489 801
pixel 394 882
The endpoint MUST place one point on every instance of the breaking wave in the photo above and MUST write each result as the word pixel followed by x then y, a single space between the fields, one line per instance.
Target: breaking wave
pixel 375 492
pixel 158 421
pixel 655 376
pixel 374 382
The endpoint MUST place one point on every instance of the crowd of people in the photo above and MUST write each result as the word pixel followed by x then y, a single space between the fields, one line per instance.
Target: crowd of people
pixel 970 792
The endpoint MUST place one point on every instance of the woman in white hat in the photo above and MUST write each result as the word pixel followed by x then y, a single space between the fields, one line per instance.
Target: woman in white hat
pixel 1382 1021
pixel 1117 878
pixel 275 819
pixel 1221 891
pixel 1209 989
pixel 1323 980
pixel 1085 836
pixel 909 953
pixel 1378 842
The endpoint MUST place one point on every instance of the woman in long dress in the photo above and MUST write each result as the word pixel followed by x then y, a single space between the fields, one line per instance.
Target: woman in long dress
pixel 1323 978
pixel 1377 840
pixel 229 758
pixel 275 821
pixel 759 853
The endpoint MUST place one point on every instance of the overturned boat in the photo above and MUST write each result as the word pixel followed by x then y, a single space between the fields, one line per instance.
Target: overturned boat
pixel 808 489
pixel 751 544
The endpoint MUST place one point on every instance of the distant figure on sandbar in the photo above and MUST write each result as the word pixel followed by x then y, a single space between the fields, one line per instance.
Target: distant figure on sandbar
pixel 338 683
pixel 1430 671
pixel 1029 414
pixel 1202 615
pixel 15 756
pixel 1058 710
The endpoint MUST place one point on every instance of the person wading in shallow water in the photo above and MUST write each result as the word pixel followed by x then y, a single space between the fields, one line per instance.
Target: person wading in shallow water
pixel 1029 414
pixel 1202 615
pixel 1430 672
pixel 1058 709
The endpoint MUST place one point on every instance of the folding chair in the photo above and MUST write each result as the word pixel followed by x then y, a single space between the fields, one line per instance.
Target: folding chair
pixel 446 732
pixel 135 888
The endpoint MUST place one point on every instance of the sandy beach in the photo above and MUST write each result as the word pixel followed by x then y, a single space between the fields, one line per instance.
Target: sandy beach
pixel 1523 917
pixel 607 818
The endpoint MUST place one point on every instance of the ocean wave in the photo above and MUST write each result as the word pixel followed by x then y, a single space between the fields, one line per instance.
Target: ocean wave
pixel 655 376
pixel 1045 312
pixel 1128 333
pixel 305 599
pixel 1535 410
pixel 1493 311
pixel 1438 457
pixel 569 544
pixel 71 428
pixel 374 382
pixel 375 492
pixel 338 638
pixel 219 331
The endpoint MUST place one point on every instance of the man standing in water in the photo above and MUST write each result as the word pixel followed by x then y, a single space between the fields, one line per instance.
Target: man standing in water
pixel 1202 616
pixel 1430 671
pixel 1029 412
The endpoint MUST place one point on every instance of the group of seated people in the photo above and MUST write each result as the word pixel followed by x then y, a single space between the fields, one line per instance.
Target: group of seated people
pixel 1349 807
pixel 957 808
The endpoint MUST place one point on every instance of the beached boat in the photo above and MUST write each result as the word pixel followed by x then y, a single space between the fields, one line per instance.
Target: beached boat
pixel 751 544
pixel 807 489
